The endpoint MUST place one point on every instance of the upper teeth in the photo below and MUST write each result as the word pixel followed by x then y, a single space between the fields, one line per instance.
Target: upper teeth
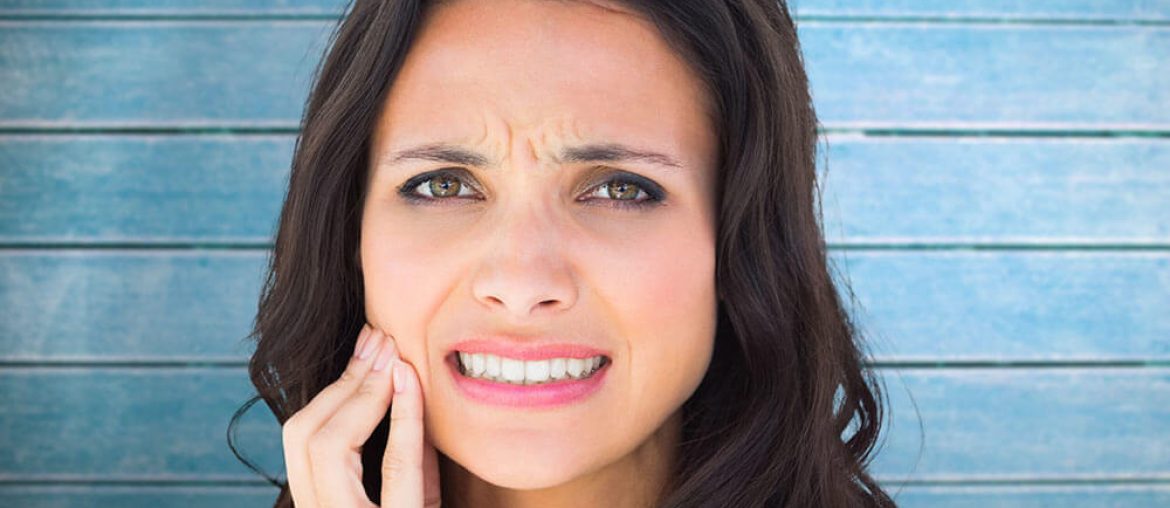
pixel 508 370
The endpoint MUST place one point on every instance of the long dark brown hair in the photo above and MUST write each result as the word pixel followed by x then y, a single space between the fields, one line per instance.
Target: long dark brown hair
pixel 767 425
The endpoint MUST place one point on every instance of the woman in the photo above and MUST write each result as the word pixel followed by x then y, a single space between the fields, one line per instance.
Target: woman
pixel 557 253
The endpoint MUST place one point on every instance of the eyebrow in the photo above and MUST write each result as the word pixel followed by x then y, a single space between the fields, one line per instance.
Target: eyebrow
pixel 597 152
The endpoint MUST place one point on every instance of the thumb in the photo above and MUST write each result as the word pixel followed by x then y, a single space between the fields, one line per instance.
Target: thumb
pixel 409 466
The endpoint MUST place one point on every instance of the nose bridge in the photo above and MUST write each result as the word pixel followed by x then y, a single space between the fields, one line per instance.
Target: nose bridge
pixel 523 268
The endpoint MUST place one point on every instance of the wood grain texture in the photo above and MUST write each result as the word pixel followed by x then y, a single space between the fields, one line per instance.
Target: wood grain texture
pixel 913 305
pixel 995 196
pixel 1077 10
pixel 118 188
pixel 81 189
pixel 874 76
pixel 913 496
pixel 980 424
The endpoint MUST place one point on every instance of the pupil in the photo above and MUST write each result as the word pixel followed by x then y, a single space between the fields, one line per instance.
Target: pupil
pixel 442 186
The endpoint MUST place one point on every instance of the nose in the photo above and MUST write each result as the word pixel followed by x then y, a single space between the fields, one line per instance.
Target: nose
pixel 522 271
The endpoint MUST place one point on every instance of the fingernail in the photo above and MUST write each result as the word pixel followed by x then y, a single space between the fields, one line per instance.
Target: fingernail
pixel 399 374
pixel 385 355
pixel 371 343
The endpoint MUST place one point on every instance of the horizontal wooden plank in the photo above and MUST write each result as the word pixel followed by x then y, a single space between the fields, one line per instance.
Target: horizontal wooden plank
pixel 999 191
pixel 197 189
pixel 1152 10
pixel 186 305
pixel 162 424
pixel 973 496
pixel 1026 424
pixel 917 75
pixel 885 76
pixel 998 9
pixel 877 190
pixel 913 305
pixel 140 73
pixel 136 496
pixel 1012 496
pixel 172 7
pixel 109 424
pixel 1003 306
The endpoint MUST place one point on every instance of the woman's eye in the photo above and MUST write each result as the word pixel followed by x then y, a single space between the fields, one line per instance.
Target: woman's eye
pixel 628 192
pixel 435 186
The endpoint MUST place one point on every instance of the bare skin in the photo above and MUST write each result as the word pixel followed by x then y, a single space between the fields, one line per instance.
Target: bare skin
pixel 322 441
pixel 532 246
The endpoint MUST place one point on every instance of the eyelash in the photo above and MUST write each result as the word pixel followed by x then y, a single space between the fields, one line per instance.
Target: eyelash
pixel 653 192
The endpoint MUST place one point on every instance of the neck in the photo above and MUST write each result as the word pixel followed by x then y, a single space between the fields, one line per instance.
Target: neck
pixel 634 481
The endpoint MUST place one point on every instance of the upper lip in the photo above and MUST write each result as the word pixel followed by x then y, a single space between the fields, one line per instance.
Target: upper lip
pixel 526 349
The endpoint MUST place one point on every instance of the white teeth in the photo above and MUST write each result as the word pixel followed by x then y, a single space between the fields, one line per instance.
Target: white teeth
pixel 514 371
pixel 477 364
pixel 491 365
pixel 556 368
pixel 536 372
pixel 574 366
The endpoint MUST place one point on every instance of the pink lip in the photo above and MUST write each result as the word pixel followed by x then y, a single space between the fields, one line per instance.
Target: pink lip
pixel 520 351
pixel 530 396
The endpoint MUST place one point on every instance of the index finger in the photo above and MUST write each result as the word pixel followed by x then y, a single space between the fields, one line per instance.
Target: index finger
pixel 403 463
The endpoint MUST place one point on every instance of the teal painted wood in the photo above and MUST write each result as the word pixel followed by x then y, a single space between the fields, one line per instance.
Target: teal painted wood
pixel 885 76
pixel 1026 425
pixel 112 188
pixel 132 73
pixel 906 190
pixel 962 496
pixel 88 423
pixel 913 305
pixel 1152 10
pixel 917 75
pixel 1032 496
pixel 223 189
pixel 1002 306
pixel 996 9
pixel 128 306
pixel 136 496
pixel 173 7
pixel 143 424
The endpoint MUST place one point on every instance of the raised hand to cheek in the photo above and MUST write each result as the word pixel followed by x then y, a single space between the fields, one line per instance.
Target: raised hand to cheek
pixel 322 441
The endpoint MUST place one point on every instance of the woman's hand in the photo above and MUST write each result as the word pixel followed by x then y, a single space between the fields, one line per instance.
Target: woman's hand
pixel 322 441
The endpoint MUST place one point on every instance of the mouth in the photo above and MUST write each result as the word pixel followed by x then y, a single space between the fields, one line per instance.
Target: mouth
pixel 543 382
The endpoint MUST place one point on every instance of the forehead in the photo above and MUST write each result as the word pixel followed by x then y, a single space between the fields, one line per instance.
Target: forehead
pixel 571 69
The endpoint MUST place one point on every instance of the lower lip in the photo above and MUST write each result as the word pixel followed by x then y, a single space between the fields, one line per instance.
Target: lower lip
pixel 543 395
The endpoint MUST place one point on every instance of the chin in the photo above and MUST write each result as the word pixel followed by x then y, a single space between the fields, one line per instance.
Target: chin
pixel 525 466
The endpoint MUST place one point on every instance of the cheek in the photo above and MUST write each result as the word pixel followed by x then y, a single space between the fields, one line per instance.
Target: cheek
pixel 669 305
pixel 401 278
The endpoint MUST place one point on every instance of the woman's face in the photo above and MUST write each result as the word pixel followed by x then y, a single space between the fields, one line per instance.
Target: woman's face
pixel 529 246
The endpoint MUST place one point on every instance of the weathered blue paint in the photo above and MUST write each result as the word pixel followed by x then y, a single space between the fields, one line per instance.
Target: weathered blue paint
pixel 883 76
pixel 1063 10
pixel 190 305
pixel 1070 195
pixel 191 188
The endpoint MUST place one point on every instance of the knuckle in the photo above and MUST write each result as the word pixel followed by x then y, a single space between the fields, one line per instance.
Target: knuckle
pixel 395 466
pixel 323 443
pixel 370 391
pixel 348 376
pixel 291 432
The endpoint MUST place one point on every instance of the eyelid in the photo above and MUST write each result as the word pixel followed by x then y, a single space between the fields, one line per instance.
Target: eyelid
pixel 600 175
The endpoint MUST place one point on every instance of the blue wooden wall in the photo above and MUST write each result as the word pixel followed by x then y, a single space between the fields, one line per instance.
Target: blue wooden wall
pixel 997 191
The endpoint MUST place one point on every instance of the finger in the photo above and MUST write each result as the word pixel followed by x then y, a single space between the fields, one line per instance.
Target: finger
pixel 305 422
pixel 335 450
pixel 402 464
